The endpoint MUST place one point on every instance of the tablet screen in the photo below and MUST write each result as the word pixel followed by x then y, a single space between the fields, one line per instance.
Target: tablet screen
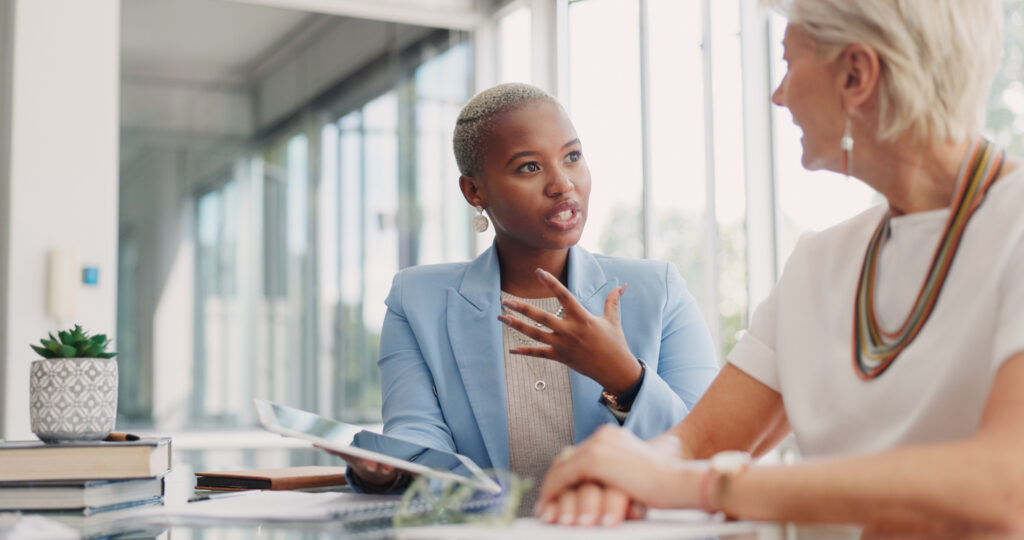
pixel 354 440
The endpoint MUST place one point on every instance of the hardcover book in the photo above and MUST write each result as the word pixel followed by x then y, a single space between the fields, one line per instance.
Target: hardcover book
pixel 86 496
pixel 101 521
pixel 84 460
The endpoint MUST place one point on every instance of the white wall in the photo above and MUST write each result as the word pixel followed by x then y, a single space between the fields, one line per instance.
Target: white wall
pixel 62 174
pixel 6 50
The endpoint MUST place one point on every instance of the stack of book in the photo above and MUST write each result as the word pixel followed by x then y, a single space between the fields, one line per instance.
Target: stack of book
pixel 88 485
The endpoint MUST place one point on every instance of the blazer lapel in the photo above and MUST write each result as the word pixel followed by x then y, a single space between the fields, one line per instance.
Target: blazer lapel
pixel 476 339
pixel 588 284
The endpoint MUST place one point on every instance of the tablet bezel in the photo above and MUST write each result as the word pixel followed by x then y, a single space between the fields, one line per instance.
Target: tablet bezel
pixel 265 412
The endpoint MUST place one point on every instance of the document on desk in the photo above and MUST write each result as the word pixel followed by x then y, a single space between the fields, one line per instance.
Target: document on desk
pixel 659 524
pixel 266 506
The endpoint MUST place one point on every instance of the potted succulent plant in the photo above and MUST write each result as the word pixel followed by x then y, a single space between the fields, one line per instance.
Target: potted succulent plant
pixel 73 389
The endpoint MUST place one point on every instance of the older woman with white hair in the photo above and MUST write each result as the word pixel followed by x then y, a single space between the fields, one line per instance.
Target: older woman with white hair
pixel 893 344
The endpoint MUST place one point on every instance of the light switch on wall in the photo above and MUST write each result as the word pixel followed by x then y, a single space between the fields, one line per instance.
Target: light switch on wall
pixel 62 278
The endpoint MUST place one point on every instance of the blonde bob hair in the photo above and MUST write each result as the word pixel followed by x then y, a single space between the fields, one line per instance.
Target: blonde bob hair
pixel 938 57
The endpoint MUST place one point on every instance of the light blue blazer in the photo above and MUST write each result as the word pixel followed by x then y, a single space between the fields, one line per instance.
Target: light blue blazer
pixel 442 363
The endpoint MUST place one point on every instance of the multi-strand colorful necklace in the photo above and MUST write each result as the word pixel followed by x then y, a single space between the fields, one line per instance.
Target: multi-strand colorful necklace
pixel 874 349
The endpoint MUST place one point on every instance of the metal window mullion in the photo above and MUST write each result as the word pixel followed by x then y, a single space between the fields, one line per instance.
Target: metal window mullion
pixel 364 349
pixel 760 182
pixel 314 165
pixel 647 202
pixel 710 216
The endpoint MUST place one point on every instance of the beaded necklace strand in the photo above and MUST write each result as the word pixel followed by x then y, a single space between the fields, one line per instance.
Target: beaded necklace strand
pixel 874 349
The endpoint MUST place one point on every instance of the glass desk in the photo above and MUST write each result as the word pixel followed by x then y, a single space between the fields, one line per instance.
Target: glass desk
pixel 518 530
pixel 659 525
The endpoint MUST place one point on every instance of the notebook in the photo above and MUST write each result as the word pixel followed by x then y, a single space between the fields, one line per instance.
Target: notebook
pixel 274 479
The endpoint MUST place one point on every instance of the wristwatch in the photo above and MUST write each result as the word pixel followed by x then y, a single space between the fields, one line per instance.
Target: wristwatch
pixel 624 401
pixel 723 467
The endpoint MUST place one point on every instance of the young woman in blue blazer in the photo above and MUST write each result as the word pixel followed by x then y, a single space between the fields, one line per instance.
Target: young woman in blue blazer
pixel 455 377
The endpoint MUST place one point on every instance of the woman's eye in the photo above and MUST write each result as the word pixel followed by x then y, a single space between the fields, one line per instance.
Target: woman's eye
pixel 573 156
pixel 529 167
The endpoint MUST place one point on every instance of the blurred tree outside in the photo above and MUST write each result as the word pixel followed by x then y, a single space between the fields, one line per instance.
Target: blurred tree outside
pixel 681 237
pixel 1005 117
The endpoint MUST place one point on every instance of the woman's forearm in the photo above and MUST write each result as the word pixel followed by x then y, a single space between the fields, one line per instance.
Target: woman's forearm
pixel 736 413
pixel 975 482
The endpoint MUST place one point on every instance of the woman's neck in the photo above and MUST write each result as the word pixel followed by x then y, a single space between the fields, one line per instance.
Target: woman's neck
pixel 519 266
pixel 911 177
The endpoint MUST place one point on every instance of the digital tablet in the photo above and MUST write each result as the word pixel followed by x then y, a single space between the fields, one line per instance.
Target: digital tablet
pixel 356 441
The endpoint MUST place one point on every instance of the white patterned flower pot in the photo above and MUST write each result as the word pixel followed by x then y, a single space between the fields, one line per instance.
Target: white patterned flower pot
pixel 73 399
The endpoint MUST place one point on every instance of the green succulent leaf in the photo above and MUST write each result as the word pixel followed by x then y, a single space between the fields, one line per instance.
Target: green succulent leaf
pixel 74 343
pixel 45 353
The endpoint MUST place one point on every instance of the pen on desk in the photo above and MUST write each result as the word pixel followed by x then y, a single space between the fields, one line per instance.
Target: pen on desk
pixel 220 495
pixel 121 437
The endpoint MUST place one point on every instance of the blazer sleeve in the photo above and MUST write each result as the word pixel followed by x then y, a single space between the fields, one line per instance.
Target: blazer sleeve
pixel 687 363
pixel 410 407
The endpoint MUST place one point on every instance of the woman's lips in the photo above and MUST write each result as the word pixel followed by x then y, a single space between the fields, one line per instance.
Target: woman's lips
pixel 564 216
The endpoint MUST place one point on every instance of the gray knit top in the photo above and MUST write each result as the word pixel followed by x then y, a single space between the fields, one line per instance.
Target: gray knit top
pixel 539 404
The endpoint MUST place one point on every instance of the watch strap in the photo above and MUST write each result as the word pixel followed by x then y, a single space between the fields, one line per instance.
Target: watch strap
pixel 624 401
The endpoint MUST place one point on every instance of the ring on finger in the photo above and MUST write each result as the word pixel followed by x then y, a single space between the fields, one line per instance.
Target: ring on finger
pixel 566 453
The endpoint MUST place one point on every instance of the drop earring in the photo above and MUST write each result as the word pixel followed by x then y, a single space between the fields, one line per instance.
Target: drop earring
pixel 480 222
pixel 846 145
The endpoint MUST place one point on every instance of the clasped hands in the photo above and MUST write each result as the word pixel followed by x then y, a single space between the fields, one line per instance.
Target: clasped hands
pixel 593 346
pixel 614 476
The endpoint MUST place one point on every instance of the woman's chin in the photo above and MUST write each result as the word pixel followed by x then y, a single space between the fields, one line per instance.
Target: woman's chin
pixel 811 162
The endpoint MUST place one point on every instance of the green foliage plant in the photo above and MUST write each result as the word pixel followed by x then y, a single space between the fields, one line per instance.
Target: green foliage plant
pixel 74 343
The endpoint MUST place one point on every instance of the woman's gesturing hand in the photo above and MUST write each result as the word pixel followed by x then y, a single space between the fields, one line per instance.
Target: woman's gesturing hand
pixel 613 476
pixel 591 345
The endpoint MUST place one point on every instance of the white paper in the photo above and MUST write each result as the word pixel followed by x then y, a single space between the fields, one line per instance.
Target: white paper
pixel 270 506
pixel 659 524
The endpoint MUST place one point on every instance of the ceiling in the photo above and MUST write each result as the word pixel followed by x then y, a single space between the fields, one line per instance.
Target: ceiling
pixel 197 73
pixel 202 40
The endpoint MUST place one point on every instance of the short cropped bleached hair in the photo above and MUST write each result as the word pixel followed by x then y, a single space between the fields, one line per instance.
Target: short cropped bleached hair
pixel 476 119
pixel 938 57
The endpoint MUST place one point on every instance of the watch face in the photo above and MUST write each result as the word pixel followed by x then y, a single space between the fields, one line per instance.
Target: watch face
pixel 730 461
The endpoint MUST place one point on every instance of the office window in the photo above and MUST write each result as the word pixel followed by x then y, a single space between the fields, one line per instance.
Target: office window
pixel 441 224
pixel 679 172
pixel 396 202
pixel 604 103
pixel 217 302
pixel 291 309
pixel 695 185
pixel 1005 119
